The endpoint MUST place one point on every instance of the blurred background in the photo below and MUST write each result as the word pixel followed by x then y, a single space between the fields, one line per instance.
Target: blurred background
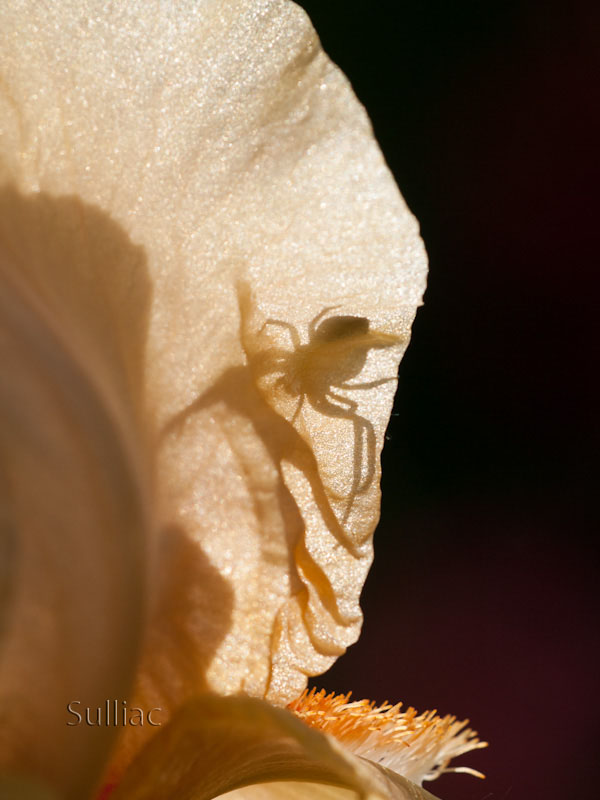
pixel 483 598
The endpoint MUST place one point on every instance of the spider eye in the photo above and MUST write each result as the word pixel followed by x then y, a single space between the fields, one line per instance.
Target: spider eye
pixel 334 328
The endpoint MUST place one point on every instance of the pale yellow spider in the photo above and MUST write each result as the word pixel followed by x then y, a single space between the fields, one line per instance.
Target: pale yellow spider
pixel 336 352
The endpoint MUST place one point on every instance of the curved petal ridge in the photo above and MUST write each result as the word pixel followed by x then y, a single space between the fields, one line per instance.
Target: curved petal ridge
pixel 73 500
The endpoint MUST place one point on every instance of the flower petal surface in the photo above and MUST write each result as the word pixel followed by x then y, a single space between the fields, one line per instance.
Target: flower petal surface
pixel 285 272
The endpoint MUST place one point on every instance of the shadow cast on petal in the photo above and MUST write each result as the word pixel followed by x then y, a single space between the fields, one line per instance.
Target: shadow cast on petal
pixel 74 464
pixel 236 390
pixel 89 277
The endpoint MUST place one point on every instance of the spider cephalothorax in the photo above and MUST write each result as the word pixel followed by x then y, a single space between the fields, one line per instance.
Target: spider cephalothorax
pixel 318 371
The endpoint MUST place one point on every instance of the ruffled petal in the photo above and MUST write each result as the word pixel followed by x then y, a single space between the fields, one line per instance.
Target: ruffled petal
pixel 217 745
pixel 285 272
pixel 73 523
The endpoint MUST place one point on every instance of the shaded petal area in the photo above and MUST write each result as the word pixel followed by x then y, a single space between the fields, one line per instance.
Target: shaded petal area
pixel 217 745
pixel 20 788
pixel 74 524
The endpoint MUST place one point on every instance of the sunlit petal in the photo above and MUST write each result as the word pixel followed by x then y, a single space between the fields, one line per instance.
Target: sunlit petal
pixel 225 144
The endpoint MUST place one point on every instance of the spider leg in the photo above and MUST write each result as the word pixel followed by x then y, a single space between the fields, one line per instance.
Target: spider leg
pixel 323 404
pixel 368 385
pixel 298 407
pixel 288 327
pixel 364 458
pixel 268 361
pixel 312 328
pixel 364 440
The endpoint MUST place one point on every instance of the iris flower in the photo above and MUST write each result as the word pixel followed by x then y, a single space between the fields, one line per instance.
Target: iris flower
pixel 208 277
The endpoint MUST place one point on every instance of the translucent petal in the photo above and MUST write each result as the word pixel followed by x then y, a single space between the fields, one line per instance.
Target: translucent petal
pixel 214 746
pixel 224 142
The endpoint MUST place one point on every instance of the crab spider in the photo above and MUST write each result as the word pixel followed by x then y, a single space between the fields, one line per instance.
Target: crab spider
pixel 319 371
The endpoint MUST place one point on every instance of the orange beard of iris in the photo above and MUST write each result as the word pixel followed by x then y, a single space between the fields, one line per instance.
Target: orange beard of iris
pixel 417 746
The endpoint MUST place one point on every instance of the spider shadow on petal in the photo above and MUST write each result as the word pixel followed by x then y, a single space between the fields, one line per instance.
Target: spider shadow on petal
pixel 245 402
pixel 317 373
pixel 234 397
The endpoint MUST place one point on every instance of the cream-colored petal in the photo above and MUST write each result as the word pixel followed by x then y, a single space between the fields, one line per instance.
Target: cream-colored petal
pixel 297 790
pixel 400 789
pixel 218 745
pixel 224 142
pixel 294 790
pixel 73 525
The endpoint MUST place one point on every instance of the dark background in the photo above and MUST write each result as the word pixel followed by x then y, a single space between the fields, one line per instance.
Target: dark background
pixel 482 601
